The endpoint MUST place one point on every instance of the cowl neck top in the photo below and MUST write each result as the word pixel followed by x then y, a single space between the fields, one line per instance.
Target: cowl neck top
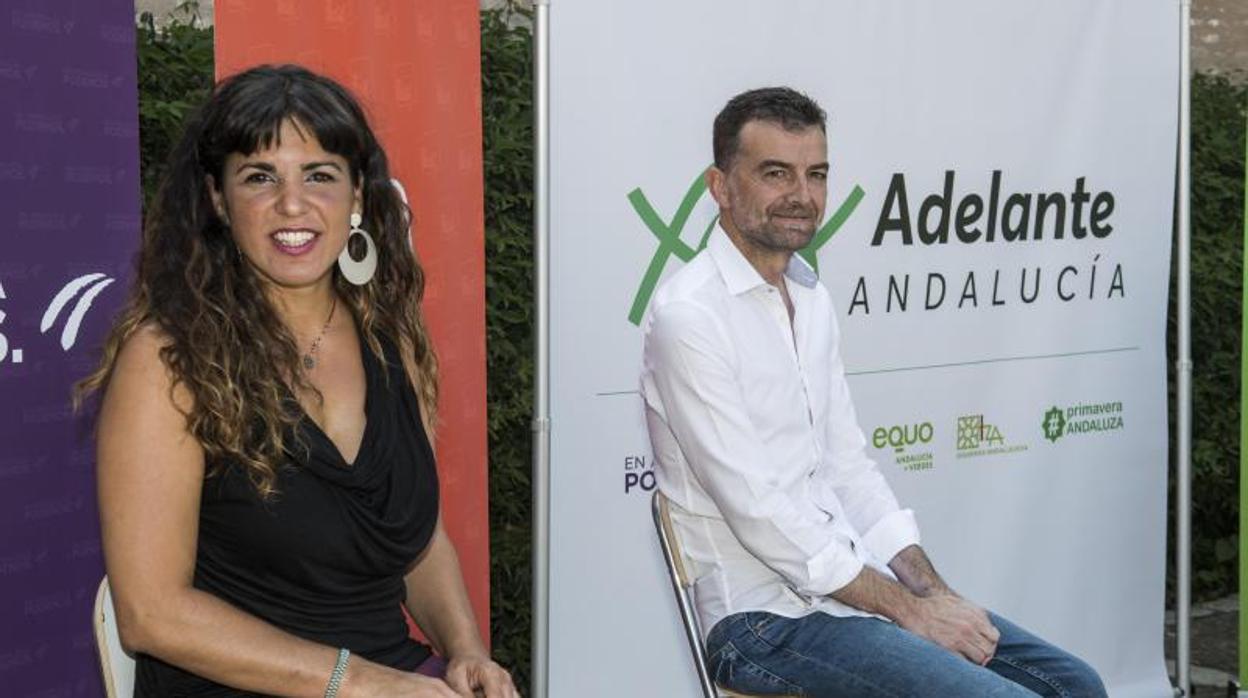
pixel 324 558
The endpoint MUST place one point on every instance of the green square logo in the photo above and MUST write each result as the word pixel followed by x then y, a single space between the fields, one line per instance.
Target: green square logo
pixel 970 431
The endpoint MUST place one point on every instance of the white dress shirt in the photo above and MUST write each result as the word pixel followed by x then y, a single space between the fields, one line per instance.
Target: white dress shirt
pixel 756 442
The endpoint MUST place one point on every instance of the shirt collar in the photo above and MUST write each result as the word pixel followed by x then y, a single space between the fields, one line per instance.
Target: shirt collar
pixel 800 273
pixel 741 276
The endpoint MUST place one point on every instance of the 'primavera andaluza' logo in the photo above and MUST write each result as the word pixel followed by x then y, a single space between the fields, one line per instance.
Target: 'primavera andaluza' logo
pixel 1054 423
pixel 1083 418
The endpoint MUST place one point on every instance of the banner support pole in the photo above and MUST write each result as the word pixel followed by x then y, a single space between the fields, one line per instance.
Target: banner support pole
pixel 539 654
pixel 1183 366
pixel 1243 469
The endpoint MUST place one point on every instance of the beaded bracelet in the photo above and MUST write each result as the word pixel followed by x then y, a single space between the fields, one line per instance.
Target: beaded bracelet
pixel 340 670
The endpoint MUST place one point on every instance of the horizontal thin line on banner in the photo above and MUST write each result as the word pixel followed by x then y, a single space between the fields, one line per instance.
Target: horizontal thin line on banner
pixel 977 362
pixel 1002 359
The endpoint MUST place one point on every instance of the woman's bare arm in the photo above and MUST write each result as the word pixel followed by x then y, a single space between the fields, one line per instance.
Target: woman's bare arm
pixel 439 604
pixel 438 600
pixel 150 473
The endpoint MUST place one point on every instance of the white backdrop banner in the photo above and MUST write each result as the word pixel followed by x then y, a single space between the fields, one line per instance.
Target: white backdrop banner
pixel 997 245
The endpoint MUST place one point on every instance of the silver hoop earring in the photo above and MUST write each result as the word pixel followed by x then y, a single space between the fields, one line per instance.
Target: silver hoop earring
pixel 358 272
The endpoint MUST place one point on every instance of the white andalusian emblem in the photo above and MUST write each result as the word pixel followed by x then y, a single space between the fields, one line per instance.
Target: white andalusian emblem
pixel 93 285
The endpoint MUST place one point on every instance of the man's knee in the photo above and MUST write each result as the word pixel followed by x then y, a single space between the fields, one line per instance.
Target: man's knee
pixel 1083 681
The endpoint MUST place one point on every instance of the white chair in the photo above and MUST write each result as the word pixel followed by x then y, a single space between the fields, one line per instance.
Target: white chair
pixel 116 666
pixel 682 585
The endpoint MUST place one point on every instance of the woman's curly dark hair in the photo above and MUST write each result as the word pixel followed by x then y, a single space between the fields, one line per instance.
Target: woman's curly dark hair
pixel 225 343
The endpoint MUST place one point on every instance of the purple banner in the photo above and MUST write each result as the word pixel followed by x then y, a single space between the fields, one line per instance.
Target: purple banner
pixel 69 220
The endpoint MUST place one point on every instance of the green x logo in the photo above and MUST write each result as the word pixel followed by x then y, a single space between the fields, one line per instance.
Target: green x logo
pixel 668 235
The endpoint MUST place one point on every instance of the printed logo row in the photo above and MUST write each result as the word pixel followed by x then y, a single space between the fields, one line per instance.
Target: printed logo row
pixel 977 436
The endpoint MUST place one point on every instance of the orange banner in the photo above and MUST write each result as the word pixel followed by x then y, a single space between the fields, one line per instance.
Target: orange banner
pixel 416 66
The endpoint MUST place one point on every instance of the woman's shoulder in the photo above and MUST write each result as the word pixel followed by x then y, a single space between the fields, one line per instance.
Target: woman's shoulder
pixel 140 370
pixel 139 354
pixel 149 336
pixel 143 429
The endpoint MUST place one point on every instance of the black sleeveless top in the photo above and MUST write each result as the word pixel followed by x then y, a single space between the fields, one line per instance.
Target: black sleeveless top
pixel 324 559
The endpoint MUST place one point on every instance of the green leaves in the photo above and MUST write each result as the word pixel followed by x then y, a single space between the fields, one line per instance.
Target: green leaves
pixel 175 75
pixel 507 104
pixel 1218 121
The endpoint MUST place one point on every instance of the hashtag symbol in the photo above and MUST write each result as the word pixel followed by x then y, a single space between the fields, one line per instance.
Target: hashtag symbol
pixel 1054 424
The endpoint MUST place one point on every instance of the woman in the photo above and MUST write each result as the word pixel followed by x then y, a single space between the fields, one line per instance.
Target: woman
pixel 267 492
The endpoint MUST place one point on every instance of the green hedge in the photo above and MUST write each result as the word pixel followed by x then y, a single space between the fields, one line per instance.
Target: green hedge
pixel 507 105
pixel 175 74
pixel 1218 122
pixel 175 71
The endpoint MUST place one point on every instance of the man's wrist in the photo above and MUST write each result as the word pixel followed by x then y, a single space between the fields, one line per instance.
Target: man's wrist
pixel 876 593
pixel 905 608
pixel 930 588
pixel 917 574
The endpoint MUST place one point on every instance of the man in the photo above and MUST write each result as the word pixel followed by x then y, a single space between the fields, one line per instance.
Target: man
pixel 810 578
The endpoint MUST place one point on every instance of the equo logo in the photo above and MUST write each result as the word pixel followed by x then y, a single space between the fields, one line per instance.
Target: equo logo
pixel 903 436
pixel 670 243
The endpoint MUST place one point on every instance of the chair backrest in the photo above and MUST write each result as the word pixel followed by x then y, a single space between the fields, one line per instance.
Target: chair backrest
pixel 681 582
pixel 115 664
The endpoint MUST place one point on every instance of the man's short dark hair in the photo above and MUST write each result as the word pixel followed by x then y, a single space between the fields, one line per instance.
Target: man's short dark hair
pixel 784 106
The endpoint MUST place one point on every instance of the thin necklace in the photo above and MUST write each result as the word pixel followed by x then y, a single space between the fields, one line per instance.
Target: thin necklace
pixel 309 359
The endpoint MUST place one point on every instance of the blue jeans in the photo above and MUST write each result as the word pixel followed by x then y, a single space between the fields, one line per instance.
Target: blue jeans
pixel 823 656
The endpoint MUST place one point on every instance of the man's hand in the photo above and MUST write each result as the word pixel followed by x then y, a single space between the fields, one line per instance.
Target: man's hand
pixel 942 617
pixel 474 675
pixel 953 623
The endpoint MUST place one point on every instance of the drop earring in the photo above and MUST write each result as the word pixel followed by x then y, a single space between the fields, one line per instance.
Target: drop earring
pixel 358 272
